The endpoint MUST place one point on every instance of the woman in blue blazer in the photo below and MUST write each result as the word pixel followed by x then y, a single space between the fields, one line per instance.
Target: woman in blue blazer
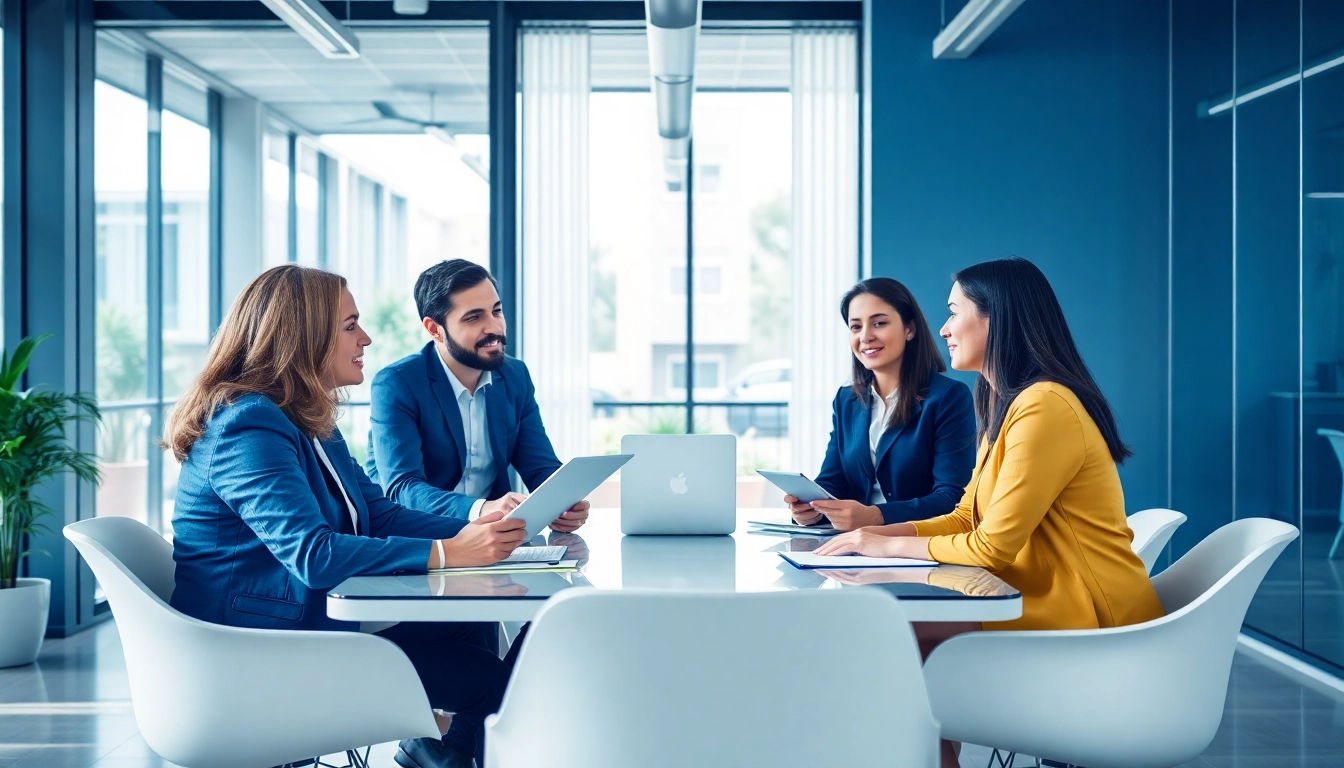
pixel 903 434
pixel 272 511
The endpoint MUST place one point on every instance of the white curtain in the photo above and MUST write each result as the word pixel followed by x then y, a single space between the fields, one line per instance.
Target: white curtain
pixel 554 268
pixel 825 255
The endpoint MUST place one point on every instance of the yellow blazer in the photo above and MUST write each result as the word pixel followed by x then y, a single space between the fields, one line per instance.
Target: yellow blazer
pixel 1045 512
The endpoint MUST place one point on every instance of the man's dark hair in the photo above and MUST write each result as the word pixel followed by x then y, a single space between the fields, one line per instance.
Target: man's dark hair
pixel 435 287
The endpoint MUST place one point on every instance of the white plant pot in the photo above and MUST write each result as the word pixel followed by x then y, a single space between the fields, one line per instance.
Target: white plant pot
pixel 23 621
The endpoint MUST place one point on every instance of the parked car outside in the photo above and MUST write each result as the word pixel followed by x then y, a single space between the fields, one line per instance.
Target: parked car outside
pixel 766 381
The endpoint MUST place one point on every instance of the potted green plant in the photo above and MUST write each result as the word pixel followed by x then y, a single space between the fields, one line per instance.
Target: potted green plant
pixel 33 449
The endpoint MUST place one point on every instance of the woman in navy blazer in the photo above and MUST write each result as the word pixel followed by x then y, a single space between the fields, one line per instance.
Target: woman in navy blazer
pixel 903 434
pixel 272 511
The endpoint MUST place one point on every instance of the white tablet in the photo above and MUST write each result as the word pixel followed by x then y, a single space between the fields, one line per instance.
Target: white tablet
pixel 569 485
pixel 796 484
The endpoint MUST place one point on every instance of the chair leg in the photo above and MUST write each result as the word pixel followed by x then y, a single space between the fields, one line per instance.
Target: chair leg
pixel 1339 535
pixel 998 760
pixel 353 759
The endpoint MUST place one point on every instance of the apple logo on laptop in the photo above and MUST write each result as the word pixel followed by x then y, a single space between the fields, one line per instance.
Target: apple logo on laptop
pixel 679 484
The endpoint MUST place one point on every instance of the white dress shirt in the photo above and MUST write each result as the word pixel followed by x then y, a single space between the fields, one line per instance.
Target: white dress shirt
pixel 878 412
pixel 478 466
pixel 349 505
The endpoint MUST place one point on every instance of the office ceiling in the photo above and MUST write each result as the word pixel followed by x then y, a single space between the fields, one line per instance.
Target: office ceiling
pixel 439 74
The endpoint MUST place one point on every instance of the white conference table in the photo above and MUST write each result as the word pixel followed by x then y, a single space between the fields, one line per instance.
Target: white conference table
pixel 743 562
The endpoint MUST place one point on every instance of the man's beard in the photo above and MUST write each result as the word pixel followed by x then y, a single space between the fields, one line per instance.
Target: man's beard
pixel 469 358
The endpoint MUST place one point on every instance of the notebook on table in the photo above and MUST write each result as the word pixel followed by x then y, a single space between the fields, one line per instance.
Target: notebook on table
pixel 809 561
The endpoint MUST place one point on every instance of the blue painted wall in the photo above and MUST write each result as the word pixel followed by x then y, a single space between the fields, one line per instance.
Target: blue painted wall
pixel 1049 143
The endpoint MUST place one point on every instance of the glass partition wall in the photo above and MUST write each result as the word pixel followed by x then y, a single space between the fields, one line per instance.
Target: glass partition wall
pixel 1257 290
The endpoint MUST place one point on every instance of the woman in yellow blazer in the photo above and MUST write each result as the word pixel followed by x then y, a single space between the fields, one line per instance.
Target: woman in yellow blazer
pixel 1044 509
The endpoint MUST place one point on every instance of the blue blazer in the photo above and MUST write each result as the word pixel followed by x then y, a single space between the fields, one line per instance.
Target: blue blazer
pixel 923 465
pixel 256 529
pixel 417 442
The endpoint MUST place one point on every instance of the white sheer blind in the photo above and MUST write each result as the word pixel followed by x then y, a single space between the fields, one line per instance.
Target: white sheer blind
pixel 554 235
pixel 825 258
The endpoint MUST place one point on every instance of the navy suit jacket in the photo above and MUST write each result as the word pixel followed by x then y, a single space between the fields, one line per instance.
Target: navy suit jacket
pixel 923 465
pixel 257 531
pixel 417 441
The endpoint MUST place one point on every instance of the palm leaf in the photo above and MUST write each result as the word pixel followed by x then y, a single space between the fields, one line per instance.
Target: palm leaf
pixel 15 366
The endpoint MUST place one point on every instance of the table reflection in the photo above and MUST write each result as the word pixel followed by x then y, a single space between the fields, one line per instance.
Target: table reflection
pixel 705 563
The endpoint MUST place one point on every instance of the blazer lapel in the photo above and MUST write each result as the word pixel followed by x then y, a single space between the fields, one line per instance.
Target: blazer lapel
pixel 858 427
pixel 340 459
pixel 443 393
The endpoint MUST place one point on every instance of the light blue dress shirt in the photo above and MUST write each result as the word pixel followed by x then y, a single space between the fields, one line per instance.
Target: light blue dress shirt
pixel 479 471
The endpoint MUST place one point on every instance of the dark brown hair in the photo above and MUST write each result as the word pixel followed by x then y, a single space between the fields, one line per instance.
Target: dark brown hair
pixel 921 359
pixel 278 340
pixel 1029 342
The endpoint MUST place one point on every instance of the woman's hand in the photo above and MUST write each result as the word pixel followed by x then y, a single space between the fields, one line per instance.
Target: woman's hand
pixel 572 519
pixel 848 515
pixel 487 540
pixel 864 541
pixel 803 512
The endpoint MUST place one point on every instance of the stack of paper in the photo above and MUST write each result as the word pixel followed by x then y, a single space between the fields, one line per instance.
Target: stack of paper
pixel 503 567
pixel 524 559
pixel 824 529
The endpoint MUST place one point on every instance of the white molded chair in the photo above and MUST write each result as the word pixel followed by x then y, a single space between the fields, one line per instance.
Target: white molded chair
pixel 1144 696
pixel 1152 530
pixel 1336 439
pixel 675 679
pixel 211 696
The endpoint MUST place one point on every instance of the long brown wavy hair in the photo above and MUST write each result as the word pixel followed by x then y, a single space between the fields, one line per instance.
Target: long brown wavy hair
pixel 278 340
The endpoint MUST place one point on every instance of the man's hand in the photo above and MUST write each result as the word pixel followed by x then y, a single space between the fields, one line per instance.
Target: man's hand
pixel 575 547
pixel 504 504
pixel 848 515
pixel 572 519
pixel 489 539
pixel 803 512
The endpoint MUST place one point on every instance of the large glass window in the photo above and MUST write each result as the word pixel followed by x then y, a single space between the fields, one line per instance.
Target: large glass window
pixel 739 379
pixel 275 193
pixel 146 359
pixel 307 205
pixel 121 171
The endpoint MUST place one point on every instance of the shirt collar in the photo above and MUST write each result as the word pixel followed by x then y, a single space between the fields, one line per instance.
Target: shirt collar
pixel 459 388
pixel 878 399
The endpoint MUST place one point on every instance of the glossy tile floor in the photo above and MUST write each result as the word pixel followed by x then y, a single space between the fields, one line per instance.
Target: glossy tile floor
pixel 72 710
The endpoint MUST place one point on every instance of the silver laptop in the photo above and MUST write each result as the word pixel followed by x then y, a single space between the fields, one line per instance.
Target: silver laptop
pixel 679 484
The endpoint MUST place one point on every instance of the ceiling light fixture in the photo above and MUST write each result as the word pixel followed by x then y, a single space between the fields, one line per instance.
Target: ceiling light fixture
pixel 1274 85
pixel 410 7
pixel 316 25
pixel 971 27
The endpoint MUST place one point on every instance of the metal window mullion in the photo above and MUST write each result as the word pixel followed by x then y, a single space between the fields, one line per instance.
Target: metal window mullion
pixel 293 213
pixel 503 99
pixel 690 288
pixel 154 287
pixel 215 122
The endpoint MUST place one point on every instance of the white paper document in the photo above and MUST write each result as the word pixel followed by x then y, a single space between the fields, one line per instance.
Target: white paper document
pixel 846 562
